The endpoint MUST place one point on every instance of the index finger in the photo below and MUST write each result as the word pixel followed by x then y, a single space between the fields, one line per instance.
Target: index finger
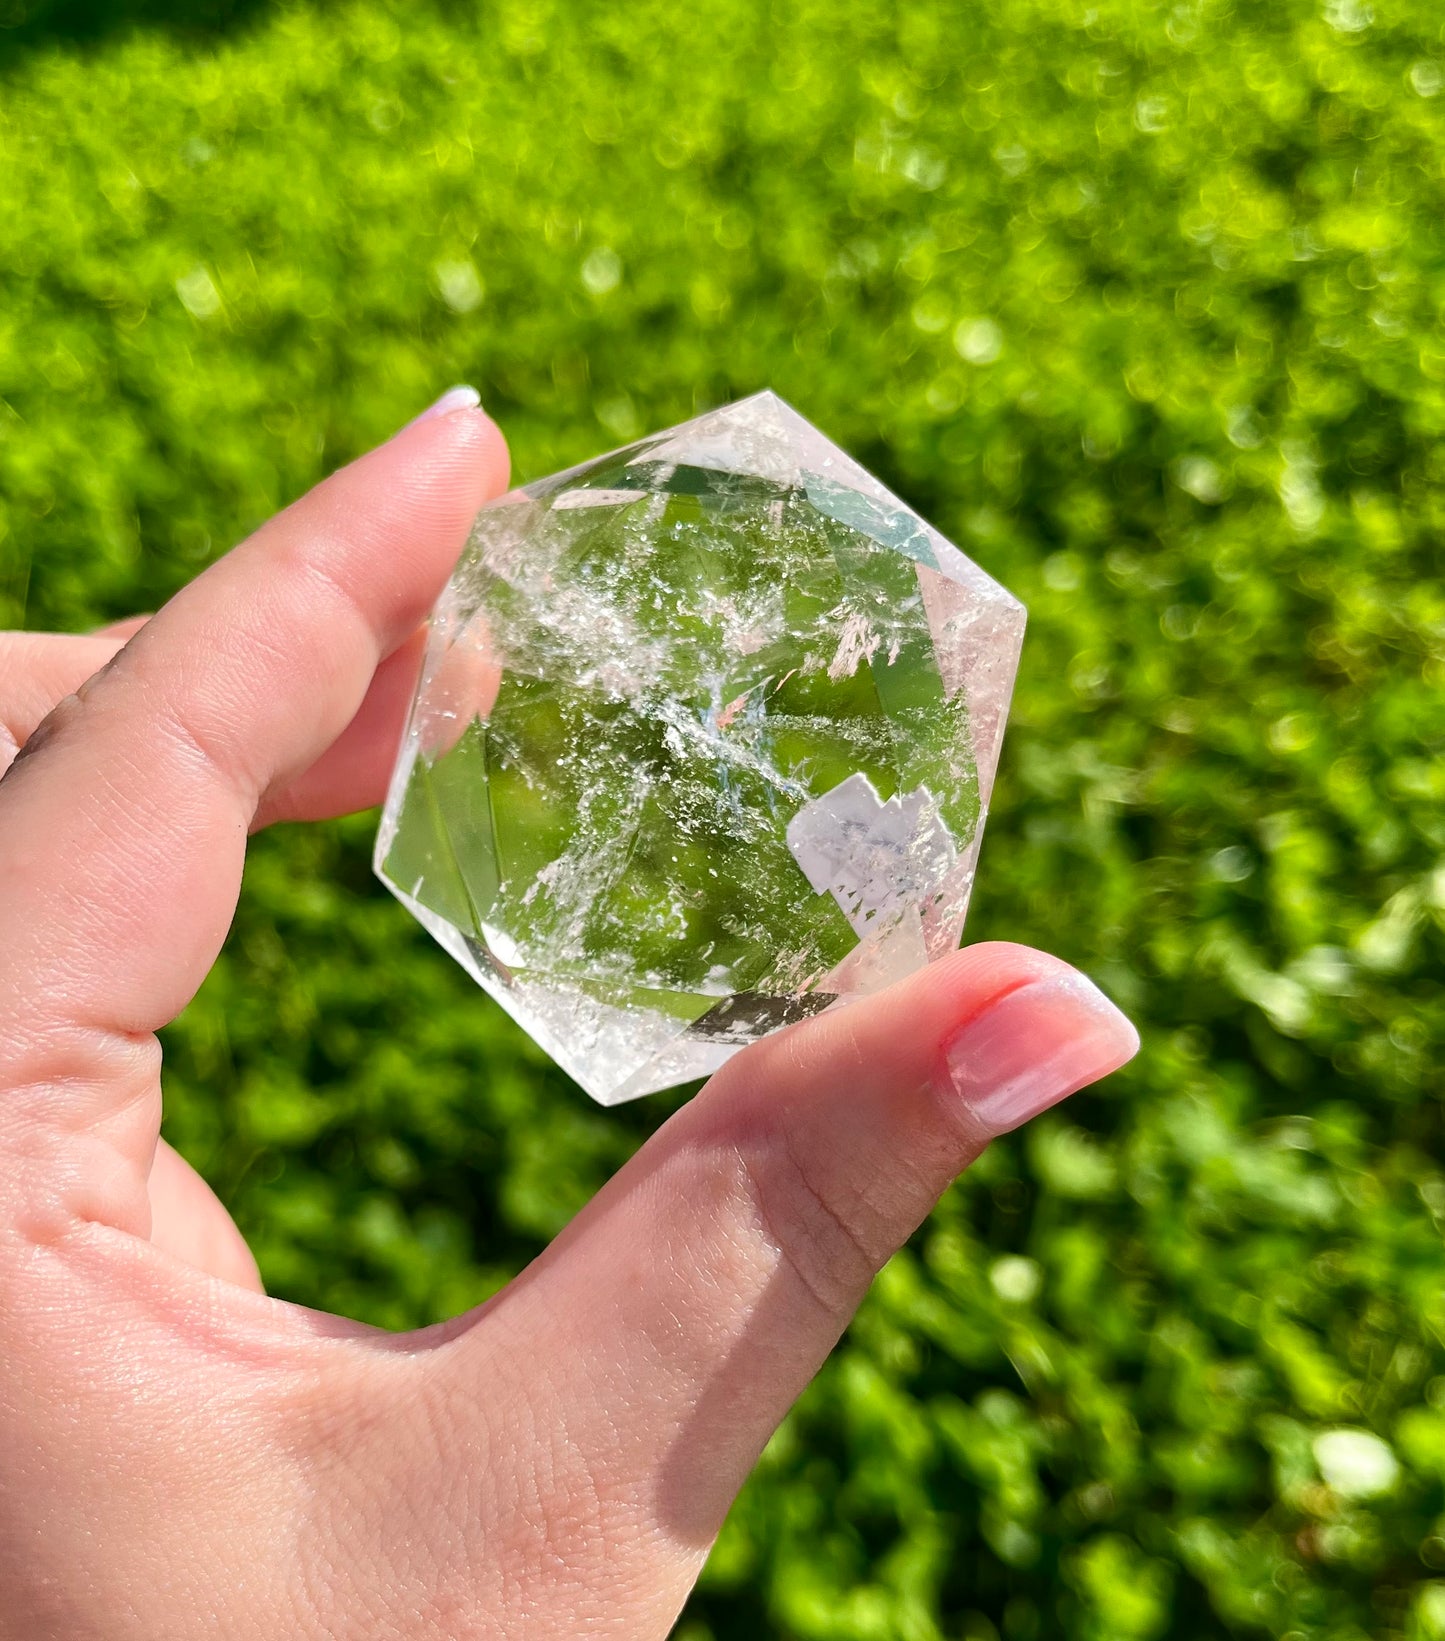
pixel 123 823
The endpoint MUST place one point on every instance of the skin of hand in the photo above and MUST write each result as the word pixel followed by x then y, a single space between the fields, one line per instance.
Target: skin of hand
pixel 182 1456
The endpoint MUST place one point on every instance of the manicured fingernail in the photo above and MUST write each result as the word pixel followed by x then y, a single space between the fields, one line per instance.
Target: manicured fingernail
pixel 455 398
pixel 1035 1046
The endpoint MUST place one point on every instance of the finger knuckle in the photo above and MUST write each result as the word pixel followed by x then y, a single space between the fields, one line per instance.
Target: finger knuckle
pixel 821 1229
pixel 55 724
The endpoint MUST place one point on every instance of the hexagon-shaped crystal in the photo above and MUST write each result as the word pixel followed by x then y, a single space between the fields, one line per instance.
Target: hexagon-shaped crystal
pixel 702 744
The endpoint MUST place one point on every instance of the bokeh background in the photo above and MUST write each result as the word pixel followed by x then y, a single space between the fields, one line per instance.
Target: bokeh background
pixel 1142 304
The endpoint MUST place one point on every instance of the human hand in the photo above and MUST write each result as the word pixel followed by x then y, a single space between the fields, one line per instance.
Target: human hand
pixel 182 1456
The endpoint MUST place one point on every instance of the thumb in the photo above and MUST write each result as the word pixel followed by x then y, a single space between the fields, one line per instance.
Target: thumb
pixel 674 1322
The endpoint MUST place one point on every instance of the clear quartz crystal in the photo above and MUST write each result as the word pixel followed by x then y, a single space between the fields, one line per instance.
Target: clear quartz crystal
pixel 702 745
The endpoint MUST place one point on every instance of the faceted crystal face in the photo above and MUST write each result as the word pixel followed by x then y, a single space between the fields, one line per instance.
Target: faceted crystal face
pixel 702 745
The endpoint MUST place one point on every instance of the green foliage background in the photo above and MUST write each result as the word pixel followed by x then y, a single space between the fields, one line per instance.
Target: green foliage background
pixel 1143 305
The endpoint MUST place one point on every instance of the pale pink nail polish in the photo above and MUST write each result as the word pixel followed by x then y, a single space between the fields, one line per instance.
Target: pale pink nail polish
pixel 1035 1046
pixel 455 398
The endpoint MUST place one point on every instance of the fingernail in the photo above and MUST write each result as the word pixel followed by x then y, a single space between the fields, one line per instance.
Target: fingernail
pixel 455 398
pixel 1035 1046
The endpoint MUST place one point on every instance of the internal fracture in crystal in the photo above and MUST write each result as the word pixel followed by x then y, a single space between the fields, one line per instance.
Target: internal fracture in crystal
pixel 703 744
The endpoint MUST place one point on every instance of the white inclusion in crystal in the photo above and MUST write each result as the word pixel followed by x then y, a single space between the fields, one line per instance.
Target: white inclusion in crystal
pixel 876 859
pixel 570 500
pixel 856 643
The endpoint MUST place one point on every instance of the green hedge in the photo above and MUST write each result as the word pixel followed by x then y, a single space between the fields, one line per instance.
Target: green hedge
pixel 1142 305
